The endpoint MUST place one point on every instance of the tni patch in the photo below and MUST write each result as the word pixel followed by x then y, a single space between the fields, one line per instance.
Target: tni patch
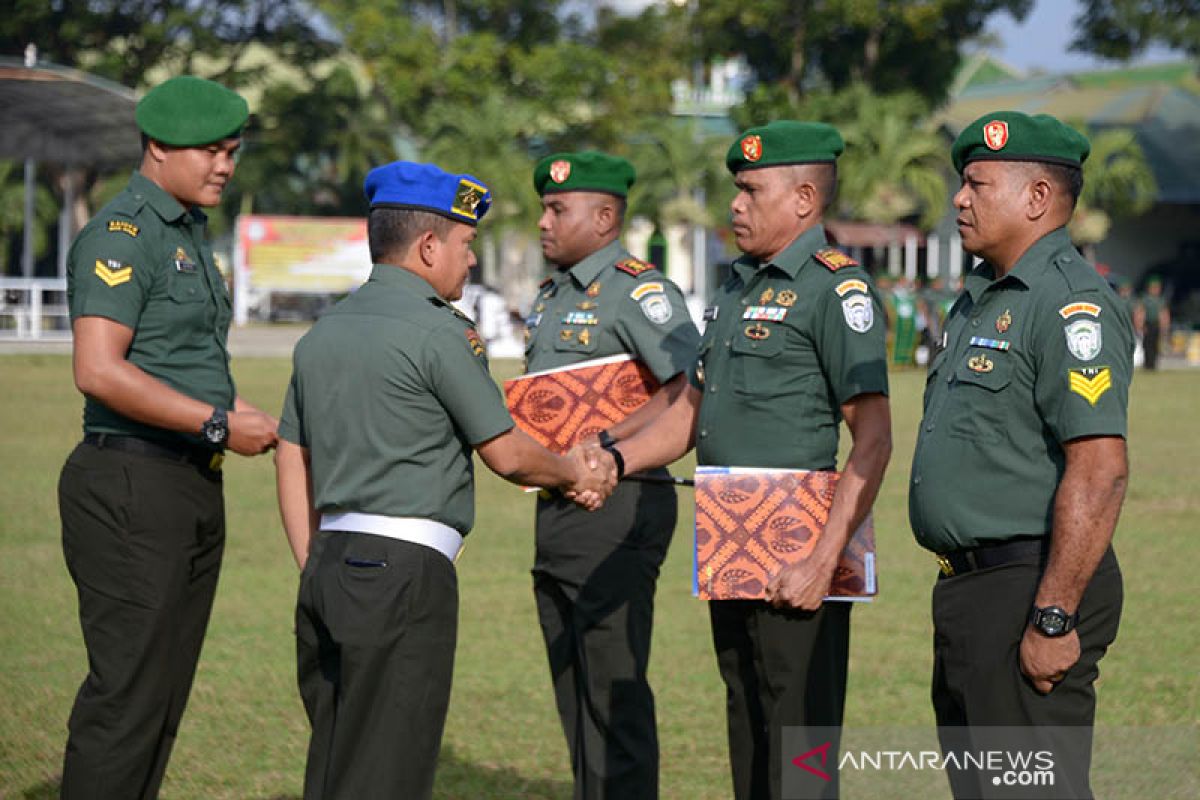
pixel 1090 382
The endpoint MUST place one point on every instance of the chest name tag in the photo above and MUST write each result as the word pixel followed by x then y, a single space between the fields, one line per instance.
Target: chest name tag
pixel 579 318
pixel 991 344
pixel 533 320
pixel 710 313
pixel 768 313
pixel 182 264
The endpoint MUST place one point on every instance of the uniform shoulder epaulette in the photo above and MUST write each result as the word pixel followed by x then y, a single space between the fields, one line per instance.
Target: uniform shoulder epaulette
pixel 634 266
pixel 834 259
pixel 1078 273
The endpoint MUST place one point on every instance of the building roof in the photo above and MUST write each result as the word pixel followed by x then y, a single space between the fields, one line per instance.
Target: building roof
pixel 64 116
pixel 1158 102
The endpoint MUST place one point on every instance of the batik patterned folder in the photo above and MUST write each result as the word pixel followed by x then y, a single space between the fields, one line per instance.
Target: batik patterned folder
pixel 559 407
pixel 751 522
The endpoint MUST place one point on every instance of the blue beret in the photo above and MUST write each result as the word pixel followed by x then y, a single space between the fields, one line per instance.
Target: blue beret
pixel 426 187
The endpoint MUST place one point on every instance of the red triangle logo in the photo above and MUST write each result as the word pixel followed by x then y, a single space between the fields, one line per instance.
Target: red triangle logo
pixel 823 752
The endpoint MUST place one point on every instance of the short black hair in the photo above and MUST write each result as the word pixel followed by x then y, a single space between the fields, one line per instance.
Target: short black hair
pixel 391 231
pixel 1067 178
pixel 824 178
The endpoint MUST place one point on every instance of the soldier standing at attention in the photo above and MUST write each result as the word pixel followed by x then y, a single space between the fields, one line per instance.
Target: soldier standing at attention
pixel 794 345
pixel 1020 466
pixel 143 514
pixel 390 394
pixel 595 574
pixel 1151 320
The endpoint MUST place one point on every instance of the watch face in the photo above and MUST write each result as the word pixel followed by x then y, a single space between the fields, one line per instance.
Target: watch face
pixel 1052 622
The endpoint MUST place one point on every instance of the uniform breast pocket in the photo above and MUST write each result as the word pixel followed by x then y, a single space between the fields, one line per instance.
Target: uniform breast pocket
pixel 982 376
pixel 186 287
pixel 756 368
pixel 577 340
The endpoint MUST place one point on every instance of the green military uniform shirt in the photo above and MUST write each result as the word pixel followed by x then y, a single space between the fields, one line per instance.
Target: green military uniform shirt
pixel 1152 306
pixel 1037 358
pixel 787 343
pixel 143 261
pixel 608 304
pixel 389 392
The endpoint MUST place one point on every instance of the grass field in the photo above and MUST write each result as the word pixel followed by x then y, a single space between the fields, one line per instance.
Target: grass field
pixel 244 734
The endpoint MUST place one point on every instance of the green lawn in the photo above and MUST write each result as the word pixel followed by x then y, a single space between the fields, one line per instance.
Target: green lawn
pixel 244 735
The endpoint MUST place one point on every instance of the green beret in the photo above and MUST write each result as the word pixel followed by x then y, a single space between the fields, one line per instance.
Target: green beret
pixel 588 171
pixel 785 141
pixel 188 111
pixel 1013 136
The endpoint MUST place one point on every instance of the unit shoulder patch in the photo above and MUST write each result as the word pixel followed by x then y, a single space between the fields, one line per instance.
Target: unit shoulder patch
pixel 834 259
pixel 634 266
pixel 1071 309
pixel 1084 339
pixel 1090 382
pixel 858 312
pixel 643 289
pixel 123 226
pixel 113 272
pixel 852 285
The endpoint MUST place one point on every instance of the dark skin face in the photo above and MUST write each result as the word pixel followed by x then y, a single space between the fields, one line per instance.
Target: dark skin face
pixel 574 225
pixel 195 176
pixel 772 207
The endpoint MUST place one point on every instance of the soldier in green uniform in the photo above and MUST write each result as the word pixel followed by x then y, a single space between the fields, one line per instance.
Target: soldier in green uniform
pixel 1020 465
pixel 143 516
pixel 1152 320
pixel 595 574
pixel 389 395
pixel 794 345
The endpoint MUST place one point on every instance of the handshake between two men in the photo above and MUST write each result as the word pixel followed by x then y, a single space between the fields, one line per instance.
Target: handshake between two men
pixel 580 475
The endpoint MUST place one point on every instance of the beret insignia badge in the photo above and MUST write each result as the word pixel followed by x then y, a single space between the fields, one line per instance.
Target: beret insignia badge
pixel 995 134
pixel 560 171
pixel 752 147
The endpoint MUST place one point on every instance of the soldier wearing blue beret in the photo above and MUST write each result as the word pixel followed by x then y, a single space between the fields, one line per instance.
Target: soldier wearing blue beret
pixel 140 498
pixel 390 394
pixel 1020 466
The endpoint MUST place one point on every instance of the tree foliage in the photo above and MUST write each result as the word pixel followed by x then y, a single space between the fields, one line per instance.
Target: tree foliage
pixel 1117 182
pixel 799 45
pixel 1122 29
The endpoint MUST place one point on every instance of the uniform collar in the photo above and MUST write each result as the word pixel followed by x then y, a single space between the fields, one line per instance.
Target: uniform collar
pixel 587 270
pixel 389 275
pixel 1032 263
pixel 166 206
pixel 791 260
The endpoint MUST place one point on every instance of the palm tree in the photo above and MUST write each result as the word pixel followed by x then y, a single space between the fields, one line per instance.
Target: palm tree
pixel 1117 182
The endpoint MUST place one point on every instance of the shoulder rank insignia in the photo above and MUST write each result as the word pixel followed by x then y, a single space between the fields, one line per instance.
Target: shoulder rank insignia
pixel 113 272
pixel 476 342
pixel 634 266
pixel 1071 309
pixel 122 226
pixel 1090 382
pixel 834 259
pixel 852 285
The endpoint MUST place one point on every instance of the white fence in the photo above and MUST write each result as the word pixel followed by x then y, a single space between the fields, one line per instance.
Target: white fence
pixel 34 308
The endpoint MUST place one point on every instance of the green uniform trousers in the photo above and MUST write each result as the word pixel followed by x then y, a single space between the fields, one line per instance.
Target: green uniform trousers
pixel 594 580
pixel 376 627
pixel 979 619
pixel 1153 334
pixel 143 538
pixel 781 669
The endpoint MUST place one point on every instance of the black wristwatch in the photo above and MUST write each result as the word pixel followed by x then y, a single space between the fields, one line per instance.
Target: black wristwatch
pixel 606 439
pixel 1053 621
pixel 618 459
pixel 215 431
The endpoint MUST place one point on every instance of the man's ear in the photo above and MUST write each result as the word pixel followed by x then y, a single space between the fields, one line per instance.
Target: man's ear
pixel 427 249
pixel 604 217
pixel 807 199
pixel 1040 195
pixel 156 151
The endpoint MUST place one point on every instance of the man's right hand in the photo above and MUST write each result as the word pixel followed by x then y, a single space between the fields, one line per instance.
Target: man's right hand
pixel 594 481
pixel 252 432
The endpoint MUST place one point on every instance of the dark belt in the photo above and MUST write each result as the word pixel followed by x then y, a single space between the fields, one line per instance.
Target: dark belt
pixel 207 460
pixel 961 562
